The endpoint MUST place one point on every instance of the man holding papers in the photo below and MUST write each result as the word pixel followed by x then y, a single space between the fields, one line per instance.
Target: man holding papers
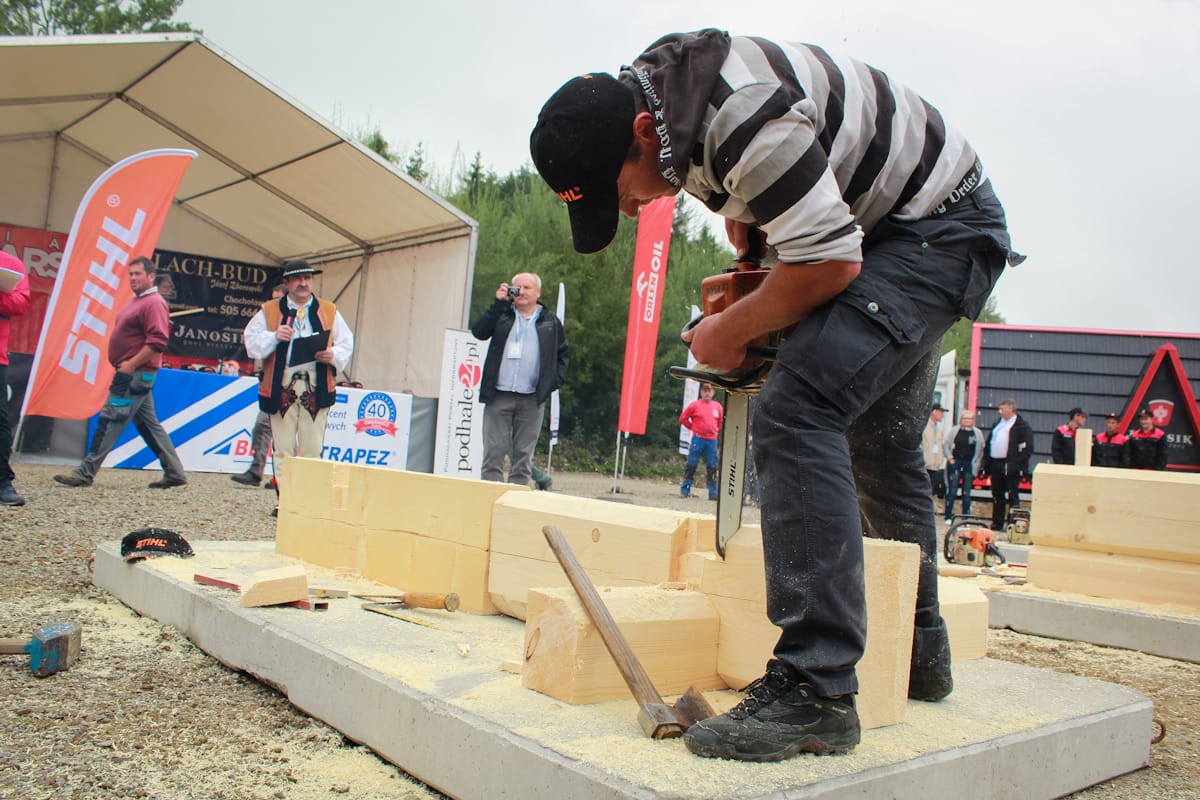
pixel 303 343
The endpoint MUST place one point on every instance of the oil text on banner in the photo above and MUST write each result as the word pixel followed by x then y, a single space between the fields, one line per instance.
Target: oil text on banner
pixel 118 220
pixel 645 303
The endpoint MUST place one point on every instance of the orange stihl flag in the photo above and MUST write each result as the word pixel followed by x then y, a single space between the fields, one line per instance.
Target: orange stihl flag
pixel 118 220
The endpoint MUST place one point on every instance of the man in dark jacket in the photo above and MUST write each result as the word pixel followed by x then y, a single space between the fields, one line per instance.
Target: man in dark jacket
pixel 1006 459
pixel 1147 446
pixel 1109 449
pixel 1062 448
pixel 526 361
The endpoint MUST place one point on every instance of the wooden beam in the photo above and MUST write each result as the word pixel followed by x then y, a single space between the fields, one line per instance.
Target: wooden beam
pixel 1115 576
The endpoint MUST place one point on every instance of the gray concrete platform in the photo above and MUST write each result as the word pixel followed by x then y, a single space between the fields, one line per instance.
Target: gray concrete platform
pixel 1167 632
pixel 432 699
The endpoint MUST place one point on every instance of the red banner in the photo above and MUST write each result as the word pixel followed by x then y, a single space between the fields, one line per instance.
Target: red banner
pixel 645 303
pixel 40 252
pixel 118 220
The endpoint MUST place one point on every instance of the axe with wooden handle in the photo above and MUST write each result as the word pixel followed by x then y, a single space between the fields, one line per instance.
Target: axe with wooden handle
pixel 658 719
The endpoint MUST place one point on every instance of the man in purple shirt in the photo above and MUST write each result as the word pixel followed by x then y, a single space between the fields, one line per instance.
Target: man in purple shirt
pixel 138 340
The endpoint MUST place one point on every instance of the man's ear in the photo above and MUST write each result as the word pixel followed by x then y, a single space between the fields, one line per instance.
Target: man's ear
pixel 643 129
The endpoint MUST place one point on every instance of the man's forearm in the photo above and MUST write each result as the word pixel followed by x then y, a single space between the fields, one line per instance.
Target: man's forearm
pixel 139 358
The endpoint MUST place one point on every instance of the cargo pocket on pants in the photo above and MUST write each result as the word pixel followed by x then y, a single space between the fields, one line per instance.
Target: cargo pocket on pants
pixel 859 324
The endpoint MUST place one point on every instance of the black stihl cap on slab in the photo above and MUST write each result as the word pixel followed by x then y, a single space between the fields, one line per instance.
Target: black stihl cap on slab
pixel 154 542
pixel 579 144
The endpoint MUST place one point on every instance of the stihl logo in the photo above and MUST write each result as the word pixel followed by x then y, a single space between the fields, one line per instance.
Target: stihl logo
pixel 572 194
pixel 150 543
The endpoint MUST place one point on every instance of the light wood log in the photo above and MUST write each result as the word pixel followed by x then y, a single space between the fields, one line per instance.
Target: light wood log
pixel 1083 447
pixel 1115 576
pixel 1128 512
pixel 271 587
pixel 617 544
pixel 673 634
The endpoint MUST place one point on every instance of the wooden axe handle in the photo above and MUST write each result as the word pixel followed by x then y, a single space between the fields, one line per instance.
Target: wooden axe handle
pixel 449 602
pixel 631 669
pixel 12 647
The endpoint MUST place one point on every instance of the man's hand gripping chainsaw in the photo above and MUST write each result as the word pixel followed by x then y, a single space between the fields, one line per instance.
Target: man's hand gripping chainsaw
pixel 718 293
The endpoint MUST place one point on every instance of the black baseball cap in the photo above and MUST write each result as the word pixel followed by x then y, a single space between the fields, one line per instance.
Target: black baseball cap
pixel 154 542
pixel 938 407
pixel 1145 412
pixel 579 144
pixel 1075 412
pixel 1112 415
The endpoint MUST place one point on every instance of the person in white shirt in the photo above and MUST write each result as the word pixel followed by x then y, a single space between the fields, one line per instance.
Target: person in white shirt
pixel 935 454
pixel 1006 459
pixel 299 371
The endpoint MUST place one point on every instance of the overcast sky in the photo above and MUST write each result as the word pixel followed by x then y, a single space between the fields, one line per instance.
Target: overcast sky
pixel 1084 112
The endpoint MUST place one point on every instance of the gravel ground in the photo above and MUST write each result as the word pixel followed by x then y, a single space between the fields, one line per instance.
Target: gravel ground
pixel 146 714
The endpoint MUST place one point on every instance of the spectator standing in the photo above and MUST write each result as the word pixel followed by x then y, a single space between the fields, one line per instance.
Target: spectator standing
pixel 963 457
pixel 14 302
pixel 297 388
pixel 526 361
pixel 933 445
pixel 1109 449
pixel 139 337
pixel 1006 458
pixel 260 438
pixel 1062 448
pixel 1147 446
pixel 703 417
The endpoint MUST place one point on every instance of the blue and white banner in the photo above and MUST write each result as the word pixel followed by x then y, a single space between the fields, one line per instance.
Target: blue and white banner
pixel 368 428
pixel 210 417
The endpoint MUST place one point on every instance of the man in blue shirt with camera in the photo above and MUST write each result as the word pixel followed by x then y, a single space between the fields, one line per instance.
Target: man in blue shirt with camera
pixel 526 361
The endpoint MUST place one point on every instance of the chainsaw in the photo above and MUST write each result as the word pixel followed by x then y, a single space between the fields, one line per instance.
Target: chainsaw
pixel 718 292
pixel 970 541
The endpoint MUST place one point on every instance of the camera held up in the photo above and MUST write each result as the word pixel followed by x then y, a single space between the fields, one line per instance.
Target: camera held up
pixel 514 292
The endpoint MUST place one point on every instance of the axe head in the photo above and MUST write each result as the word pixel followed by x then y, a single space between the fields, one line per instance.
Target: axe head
pixel 54 647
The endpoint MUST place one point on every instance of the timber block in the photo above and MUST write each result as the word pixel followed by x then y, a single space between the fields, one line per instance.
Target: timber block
pixel 1114 576
pixel 319 489
pixel 423 564
pixel 747 637
pixel 617 544
pixel 337 545
pixel 1124 511
pixel 673 634
pixel 965 610
pixel 443 507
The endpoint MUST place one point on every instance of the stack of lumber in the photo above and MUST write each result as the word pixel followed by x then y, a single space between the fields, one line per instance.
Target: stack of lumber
pixel 1116 533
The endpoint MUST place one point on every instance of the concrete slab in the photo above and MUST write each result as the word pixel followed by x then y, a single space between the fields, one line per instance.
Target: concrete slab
pixel 1167 631
pixel 432 699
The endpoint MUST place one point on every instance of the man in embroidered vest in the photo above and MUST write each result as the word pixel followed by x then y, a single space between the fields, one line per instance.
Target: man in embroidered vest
pixel 135 348
pixel 303 343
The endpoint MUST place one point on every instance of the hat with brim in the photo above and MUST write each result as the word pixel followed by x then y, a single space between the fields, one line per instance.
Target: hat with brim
pixel 579 145
pixel 298 267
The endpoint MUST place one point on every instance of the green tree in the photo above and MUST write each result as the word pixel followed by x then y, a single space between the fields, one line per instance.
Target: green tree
pixel 416 164
pixel 54 17
pixel 959 336
pixel 373 140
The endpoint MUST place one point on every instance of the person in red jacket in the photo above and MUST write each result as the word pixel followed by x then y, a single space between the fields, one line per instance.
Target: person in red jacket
pixel 1147 446
pixel 14 302
pixel 703 418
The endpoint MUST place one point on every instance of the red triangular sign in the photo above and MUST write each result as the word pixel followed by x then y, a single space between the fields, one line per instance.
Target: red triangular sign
pixel 1165 390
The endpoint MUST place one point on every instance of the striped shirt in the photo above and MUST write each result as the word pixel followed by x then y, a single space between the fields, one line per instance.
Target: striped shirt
pixel 813 148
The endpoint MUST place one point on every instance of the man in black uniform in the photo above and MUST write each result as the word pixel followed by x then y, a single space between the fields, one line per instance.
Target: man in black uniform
pixel 1062 449
pixel 1147 445
pixel 1109 449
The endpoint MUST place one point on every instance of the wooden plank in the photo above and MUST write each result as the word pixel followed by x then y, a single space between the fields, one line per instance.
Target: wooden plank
pixel 673 634
pixel 1128 512
pixel 275 586
pixel 1115 576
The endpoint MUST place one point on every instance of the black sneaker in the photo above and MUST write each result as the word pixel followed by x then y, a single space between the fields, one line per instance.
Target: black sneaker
pixel 545 485
pixel 166 483
pixel 9 496
pixel 246 478
pixel 781 717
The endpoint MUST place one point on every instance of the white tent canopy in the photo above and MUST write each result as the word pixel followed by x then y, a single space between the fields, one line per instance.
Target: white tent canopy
pixel 272 182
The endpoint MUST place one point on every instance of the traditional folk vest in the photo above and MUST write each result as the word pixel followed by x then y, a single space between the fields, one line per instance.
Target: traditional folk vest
pixel 270 387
